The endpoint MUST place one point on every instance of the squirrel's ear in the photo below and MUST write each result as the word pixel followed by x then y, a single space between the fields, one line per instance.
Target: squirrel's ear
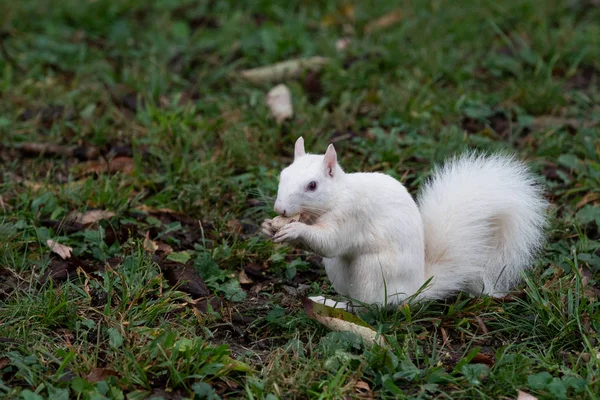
pixel 299 148
pixel 330 160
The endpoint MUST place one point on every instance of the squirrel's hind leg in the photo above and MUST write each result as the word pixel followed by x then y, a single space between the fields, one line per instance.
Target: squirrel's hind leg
pixel 337 272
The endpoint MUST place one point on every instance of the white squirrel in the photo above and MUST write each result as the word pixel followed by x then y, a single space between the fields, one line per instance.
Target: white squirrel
pixel 479 222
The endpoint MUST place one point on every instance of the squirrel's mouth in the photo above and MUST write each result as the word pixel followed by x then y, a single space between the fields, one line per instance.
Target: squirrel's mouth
pixel 309 217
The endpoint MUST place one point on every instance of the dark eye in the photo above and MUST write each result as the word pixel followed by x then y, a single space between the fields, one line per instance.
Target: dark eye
pixel 312 186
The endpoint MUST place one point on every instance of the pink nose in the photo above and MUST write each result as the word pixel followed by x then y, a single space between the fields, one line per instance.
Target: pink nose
pixel 279 209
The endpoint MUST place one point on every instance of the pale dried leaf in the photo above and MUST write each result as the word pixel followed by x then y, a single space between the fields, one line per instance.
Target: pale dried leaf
pixel 164 248
pixel 363 390
pixel 150 245
pixel 342 44
pixel 100 374
pixel 91 216
pixel 385 21
pixel 279 101
pixel 34 186
pixel 149 210
pixel 122 164
pixel 367 334
pixel 289 69
pixel 244 279
pixel 525 396
pixel 63 251
pixel 343 321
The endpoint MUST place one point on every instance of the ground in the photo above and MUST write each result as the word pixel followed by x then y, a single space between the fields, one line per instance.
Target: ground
pixel 138 163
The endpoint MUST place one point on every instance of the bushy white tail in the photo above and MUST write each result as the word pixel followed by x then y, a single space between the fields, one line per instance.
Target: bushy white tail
pixel 484 220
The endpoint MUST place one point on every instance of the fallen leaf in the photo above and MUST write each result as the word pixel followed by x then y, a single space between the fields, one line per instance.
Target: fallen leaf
pixel 150 210
pixel 91 216
pixel 4 361
pixel 100 374
pixel 525 396
pixel 244 279
pixel 34 186
pixel 234 225
pixel 185 277
pixel 149 245
pixel 363 390
pixel 342 321
pixel 279 101
pixel 289 69
pixel 122 164
pixel 342 44
pixel 164 248
pixel 63 251
pixel 385 21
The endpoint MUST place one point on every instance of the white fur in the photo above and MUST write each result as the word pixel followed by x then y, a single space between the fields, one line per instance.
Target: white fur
pixel 480 222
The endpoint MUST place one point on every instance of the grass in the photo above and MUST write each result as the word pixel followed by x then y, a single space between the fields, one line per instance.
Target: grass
pixel 153 126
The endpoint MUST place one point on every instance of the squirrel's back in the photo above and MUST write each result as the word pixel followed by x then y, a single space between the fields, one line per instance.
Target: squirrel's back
pixel 483 219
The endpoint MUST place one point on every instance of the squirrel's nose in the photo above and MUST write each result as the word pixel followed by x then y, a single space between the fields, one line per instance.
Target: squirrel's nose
pixel 279 208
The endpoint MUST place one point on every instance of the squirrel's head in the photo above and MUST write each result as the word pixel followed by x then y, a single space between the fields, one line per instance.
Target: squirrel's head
pixel 309 185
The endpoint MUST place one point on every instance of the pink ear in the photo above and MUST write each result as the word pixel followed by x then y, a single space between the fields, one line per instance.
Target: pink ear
pixel 330 160
pixel 299 148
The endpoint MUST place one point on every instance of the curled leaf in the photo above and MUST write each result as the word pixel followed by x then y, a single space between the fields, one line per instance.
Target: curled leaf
pixel 289 69
pixel 525 396
pixel 384 21
pixel 91 216
pixel 63 251
pixel 150 245
pixel 342 321
pixel 279 101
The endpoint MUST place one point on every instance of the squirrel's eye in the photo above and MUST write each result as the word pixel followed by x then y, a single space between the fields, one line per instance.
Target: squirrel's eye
pixel 312 186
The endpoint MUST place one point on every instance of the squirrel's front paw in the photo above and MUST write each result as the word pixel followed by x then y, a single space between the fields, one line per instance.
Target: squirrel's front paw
pixel 289 232
pixel 267 227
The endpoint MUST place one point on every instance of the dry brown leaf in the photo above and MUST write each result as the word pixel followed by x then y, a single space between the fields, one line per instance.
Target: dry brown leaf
pixel 363 390
pixel 279 101
pixel 122 164
pixel 149 210
pixel 91 216
pixel 164 248
pixel 4 361
pixel 244 279
pixel 525 396
pixel 385 21
pixel 35 186
pixel 63 251
pixel 342 321
pixel 150 245
pixel 100 374
pixel 289 69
